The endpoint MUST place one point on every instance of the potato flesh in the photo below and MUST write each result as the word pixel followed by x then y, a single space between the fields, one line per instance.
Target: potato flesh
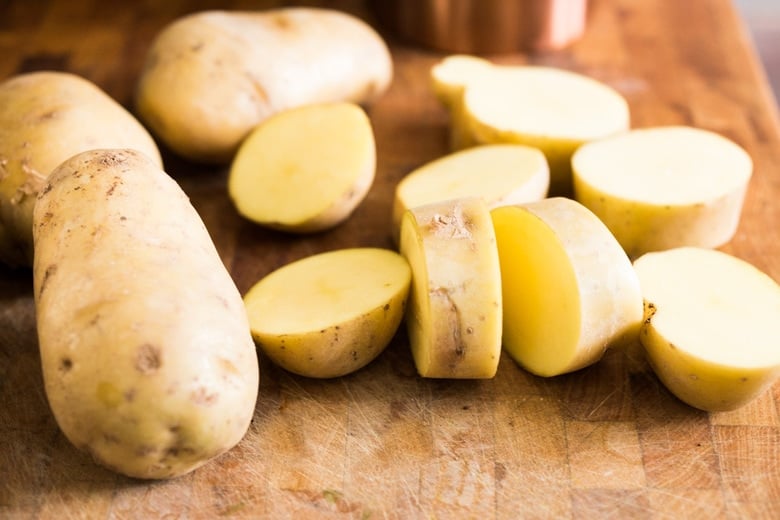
pixel 147 359
pixel 213 76
pixel 546 108
pixel 329 314
pixel 665 187
pixel 305 169
pixel 451 75
pixel 711 326
pixel 569 290
pixel 500 174
pixel 454 313
pixel 46 117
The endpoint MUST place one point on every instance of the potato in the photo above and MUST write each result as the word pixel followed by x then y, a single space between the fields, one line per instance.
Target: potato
pixel 212 76
pixel 711 326
pixel 449 79
pixel 547 108
pixel 569 290
pixel 664 187
pixel 148 362
pixel 454 313
pixel 46 117
pixel 305 169
pixel 502 174
pixel 332 313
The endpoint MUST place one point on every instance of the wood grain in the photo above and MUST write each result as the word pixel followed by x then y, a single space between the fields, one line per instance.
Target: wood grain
pixel 606 442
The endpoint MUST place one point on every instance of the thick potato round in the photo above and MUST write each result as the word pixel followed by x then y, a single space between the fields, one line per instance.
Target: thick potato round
pixel 711 326
pixel 211 77
pixel 665 187
pixel 332 313
pixel 305 169
pixel 454 314
pixel 45 118
pixel 148 362
pixel 569 289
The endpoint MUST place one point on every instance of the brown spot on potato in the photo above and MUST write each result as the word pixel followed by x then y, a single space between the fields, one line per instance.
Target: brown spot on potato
pixel 130 395
pixel 282 22
pixel 47 274
pixel 148 359
pixel 66 364
pixel 203 397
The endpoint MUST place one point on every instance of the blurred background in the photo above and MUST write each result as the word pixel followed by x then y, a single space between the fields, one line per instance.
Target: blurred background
pixel 763 20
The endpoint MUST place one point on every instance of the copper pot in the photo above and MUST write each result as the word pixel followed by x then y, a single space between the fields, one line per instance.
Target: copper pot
pixel 484 26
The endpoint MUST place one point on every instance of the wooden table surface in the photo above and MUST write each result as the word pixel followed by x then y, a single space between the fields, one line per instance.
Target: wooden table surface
pixel 606 442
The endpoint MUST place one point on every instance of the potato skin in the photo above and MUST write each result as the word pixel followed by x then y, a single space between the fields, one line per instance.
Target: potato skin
pixel 147 357
pixel 46 117
pixel 212 76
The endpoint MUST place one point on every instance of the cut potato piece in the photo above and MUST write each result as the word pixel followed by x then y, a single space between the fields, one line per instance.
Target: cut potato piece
pixel 546 108
pixel 449 79
pixel 305 169
pixel 666 187
pixel 332 313
pixel 501 174
pixel 454 312
pixel 711 326
pixel 569 290
pixel 450 76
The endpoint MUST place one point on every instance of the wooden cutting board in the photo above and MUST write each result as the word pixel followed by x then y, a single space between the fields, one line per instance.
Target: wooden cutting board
pixel 606 442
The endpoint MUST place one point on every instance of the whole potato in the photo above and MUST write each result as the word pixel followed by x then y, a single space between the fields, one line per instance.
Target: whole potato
pixel 147 356
pixel 46 117
pixel 212 76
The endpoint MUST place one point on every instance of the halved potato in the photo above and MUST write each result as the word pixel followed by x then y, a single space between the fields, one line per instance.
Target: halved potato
pixel 454 312
pixel 664 187
pixel 331 313
pixel 711 326
pixel 501 174
pixel 569 290
pixel 305 169
pixel 547 108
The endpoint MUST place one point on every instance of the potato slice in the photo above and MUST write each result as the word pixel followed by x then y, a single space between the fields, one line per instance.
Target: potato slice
pixel 305 169
pixel 665 187
pixel 332 313
pixel 711 326
pixel 450 76
pixel 569 290
pixel 454 312
pixel 551 109
pixel 501 174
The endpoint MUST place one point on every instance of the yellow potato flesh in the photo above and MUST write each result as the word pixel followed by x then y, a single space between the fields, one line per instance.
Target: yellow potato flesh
pixel 550 109
pixel 666 187
pixel 500 174
pixel 711 328
pixel 569 290
pixel 332 313
pixel 454 313
pixel 305 169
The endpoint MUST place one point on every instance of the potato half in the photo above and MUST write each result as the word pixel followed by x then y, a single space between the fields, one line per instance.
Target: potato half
pixel 501 174
pixel 329 314
pixel 305 169
pixel 547 108
pixel 454 312
pixel 711 326
pixel 569 290
pixel 665 187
